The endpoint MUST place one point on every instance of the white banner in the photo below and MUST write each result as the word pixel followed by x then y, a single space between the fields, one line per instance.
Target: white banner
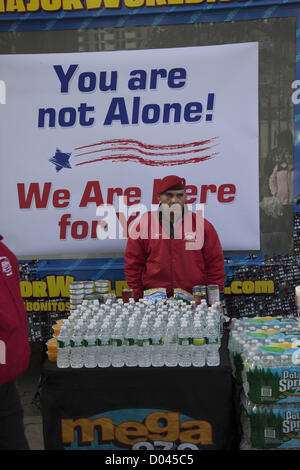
pixel 84 129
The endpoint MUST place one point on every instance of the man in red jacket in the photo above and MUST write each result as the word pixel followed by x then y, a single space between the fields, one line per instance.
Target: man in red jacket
pixel 173 249
pixel 14 352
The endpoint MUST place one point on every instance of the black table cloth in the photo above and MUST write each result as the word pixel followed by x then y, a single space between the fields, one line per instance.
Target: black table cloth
pixel 140 408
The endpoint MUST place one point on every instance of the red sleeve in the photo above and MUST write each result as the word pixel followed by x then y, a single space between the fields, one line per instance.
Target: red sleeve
pixel 213 256
pixel 134 264
pixel 14 343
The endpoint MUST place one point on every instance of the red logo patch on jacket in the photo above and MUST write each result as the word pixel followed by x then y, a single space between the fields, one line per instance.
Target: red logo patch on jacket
pixel 6 266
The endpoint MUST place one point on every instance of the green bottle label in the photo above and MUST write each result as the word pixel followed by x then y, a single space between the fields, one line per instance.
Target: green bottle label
pixel 143 342
pixel 184 341
pixel 129 341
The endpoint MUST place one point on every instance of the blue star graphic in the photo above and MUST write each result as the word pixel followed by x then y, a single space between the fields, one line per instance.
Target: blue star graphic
pixel 60 160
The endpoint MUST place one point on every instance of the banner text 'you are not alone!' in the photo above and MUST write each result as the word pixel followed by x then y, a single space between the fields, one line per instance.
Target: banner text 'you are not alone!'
pixel 124 110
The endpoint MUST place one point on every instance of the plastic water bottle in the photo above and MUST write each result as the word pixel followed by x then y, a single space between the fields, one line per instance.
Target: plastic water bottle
pixel 117 343
pixel 213 345
pixel 271 361
pixel 204 306
pixel 143 342
pixel 157 349
pixel 184 345
pixel 199 346
pixel 76 352
pixel 285 360
pixel 63 348
pixel 91 348
pixel 171 344
pixel 130 345
pixel 104 353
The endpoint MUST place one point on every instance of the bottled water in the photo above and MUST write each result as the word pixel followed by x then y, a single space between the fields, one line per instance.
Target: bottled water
pixel 76 352
pixel 91 348
pixel 63 348
pixel 249 358
pixel 199 347
pixel 204 306
pixel 269 392
pixel 104 355
pixel 140 334
pixel 171 345
pixel 82 324
pixel 269 361
pixel 184 345
pixel 212 348
pixel 157 349
pixel 130 345
pixel 117 343
pixel 143 342
pixel 284 360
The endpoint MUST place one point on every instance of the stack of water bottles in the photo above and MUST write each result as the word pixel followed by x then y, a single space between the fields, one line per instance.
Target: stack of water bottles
pixel 265 356
pixel 141 334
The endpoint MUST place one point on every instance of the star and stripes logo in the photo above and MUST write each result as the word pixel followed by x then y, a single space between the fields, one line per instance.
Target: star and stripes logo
pixel 132 150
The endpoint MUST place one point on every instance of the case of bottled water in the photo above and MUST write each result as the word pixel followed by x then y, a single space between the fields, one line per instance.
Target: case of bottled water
pixel 265 355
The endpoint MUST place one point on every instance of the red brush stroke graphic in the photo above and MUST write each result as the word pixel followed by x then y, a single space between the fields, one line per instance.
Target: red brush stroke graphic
pixel 125 147
pixel 117 158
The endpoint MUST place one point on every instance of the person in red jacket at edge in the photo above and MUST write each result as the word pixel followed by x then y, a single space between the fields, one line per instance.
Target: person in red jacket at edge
pixel 164 254
pixel 14 352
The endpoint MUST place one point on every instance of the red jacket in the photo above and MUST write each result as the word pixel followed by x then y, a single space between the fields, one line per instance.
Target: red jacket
pixel 189 258
pixel 14 344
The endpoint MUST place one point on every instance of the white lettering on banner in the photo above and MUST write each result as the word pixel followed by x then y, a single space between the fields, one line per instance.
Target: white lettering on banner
pixel 93 132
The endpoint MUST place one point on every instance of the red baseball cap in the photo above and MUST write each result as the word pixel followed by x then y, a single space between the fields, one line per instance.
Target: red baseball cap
pixel 170 182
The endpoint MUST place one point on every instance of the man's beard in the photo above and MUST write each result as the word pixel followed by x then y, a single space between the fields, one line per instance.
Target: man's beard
pixel 171 213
